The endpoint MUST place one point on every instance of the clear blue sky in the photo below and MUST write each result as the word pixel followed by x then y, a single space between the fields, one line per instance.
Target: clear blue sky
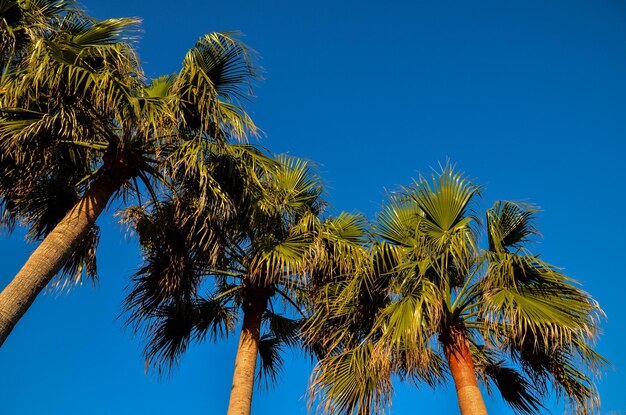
pixel 527 97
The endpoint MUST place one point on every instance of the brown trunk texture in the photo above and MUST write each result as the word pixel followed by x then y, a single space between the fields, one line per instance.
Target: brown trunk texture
pixel 52 253
pixel 462 369
pixel 245 363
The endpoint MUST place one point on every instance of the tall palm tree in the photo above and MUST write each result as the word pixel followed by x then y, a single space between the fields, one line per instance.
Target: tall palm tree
pixel 202 271
pixel 438 305
pixel 79 125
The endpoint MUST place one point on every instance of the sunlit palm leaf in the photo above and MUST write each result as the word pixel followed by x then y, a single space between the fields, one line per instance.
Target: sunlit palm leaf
pixel 407 324
pixel 351 382
pixel 445 201
pixel 399 223
pixel 216 72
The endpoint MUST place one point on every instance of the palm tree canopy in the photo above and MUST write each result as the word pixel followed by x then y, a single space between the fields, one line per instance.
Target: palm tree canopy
pixel 530 328
pixel 200 265
pixel 75 106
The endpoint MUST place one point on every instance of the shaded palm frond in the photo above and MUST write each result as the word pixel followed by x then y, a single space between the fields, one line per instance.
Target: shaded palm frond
pixel 170 328
pixel 171 269
pixel 169 332
pixel 510 225
pixel 271 361
pixel 215 317
pixel 283 329
pixel 22 23
pixel 520 393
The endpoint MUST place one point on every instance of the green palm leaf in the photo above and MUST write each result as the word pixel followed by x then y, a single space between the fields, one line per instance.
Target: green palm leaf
pixel 352 382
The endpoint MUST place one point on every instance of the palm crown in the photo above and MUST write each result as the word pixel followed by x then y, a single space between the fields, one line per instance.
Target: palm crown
pixel 439 304
pixel 261 249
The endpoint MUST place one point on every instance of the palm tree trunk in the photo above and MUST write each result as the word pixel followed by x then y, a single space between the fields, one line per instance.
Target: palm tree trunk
pixel 462 368
pixel 53 252
pixel 245 363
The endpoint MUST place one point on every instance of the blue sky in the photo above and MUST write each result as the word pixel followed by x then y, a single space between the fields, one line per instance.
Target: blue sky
pixel 528 98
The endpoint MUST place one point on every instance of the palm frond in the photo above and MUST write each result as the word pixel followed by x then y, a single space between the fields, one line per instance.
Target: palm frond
pixel 215 318
pixel 22 23
pixel 510 225
pixel 271 361
pixel 171 268
pixel 445 201
pixel 426 276
pixel 170 328
pixel 515 389
pixel 216 72
pixel 547 323
pixel 398 223
pixel 226 62
pixel 290 187
pixel 276 258
pixel 284 329
pixel 351 382
pixel 529 294
pixel 406 325
pixel 169 333
pixel 98 33
pixel 566 369
pixel 160 87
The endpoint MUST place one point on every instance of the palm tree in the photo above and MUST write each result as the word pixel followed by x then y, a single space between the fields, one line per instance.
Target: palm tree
pixel 79 125
pixel 201 271
pixel 437 304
